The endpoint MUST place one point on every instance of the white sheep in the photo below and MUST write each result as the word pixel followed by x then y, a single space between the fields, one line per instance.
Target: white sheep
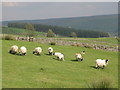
pixel 37 51
pixel 101 63
pixel 50 50
pixel 60 56
pixel 13 49
pixel 78 56
pixel 23 50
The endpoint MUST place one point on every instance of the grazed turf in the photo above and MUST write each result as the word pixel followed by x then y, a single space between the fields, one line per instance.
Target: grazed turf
pixel 45 71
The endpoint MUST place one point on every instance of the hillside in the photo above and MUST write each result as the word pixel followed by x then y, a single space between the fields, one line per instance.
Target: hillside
pixel 107 23
pixel 62 31
pixel 19 31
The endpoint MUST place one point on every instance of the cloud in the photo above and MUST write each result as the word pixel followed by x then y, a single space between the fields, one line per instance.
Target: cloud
pixel 10 4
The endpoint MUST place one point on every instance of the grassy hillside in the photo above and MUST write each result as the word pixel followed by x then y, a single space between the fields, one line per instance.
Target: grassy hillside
pixel 107 23
pixel 18 31
pixel 45 71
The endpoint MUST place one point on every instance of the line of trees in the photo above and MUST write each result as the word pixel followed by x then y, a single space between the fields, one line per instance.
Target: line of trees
pixel 70 32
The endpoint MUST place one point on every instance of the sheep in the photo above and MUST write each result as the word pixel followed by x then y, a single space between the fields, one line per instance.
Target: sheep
pixel 23 50
pixel 13 49
pixel 78 57
pixel 60 56
pixel 83 52
pixel 101 63
pixel 50 50
pixel 37 51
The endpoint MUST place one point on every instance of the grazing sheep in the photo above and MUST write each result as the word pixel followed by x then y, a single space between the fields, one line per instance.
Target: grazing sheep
pixel 78 56
pixel 37 51
pixel 50 50
pixel 60 56
pixel 101 63
pixel 83 52
pixel 23 50
pixel 13 49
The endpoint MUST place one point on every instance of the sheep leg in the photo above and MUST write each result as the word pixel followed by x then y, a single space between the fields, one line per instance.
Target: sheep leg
pixel 103 67
pixel 15 52
pixel 62 59
pixel 78 59
pixel 97 67
pixel 50 53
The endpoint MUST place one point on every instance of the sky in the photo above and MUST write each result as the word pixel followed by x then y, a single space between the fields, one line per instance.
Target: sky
pixel 45 10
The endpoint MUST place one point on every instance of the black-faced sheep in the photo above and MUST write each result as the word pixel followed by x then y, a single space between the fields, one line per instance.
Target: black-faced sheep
pixel 37 51
pixel 78 57
pixel 60 56
pixel 83 52
pixel 50 50
pixel 23 50
pixel 13 49
pixel 101 63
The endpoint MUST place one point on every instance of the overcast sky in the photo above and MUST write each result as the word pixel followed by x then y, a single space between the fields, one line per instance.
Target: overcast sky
pixel 44 10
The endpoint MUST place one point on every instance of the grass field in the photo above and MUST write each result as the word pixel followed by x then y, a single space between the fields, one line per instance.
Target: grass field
pixel 45 71
pixel 20 32
pixel 110 41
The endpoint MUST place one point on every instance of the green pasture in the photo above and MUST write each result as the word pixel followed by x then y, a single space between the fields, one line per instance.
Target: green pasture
pixel 46 71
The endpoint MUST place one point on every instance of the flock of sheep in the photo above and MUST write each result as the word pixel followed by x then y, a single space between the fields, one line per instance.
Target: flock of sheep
pixel 60 56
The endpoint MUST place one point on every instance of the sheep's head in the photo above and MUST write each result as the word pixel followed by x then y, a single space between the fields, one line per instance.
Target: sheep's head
pixel 82 59
pixel 53 53
pixel 106 61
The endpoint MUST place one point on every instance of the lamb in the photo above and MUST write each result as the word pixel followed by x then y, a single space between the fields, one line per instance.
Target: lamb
pixel 78 57
pixel 60 56
pixel 101 63
pixel 50 50
pixel 37 51
pixel 23 50
pixel 13 49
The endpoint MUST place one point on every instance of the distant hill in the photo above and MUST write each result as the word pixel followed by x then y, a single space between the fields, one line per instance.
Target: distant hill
pixel 106 23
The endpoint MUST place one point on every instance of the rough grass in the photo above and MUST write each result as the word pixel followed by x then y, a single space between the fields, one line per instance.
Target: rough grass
pixel 8 37
pixel 45 71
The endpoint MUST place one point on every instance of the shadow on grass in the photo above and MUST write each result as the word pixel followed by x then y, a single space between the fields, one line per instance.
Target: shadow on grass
pixel 15 54
pixel 47 54
pixel 37 54
pixel 56 59
pixel 97 67
pixel 93 67
pixel 75 60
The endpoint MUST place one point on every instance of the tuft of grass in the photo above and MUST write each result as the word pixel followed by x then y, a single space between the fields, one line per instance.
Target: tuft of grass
pixel 105 82
pixel 52 43
pixel 8 37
